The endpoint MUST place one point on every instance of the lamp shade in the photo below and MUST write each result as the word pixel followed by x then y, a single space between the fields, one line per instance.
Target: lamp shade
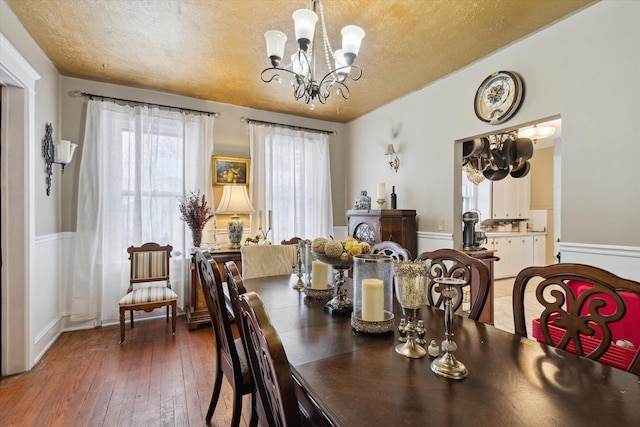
pixel 234 200
pixel 64 151
pixel 305 24
pixel 352 36
pixel 275 44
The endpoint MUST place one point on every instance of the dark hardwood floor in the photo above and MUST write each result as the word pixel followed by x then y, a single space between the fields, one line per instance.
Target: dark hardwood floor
pixel 153 379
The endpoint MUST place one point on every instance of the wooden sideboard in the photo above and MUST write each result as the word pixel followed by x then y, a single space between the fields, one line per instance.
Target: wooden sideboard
pixel 196 308
pixel 373 226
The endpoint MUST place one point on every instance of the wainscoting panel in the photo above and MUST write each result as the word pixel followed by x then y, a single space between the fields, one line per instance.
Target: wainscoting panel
pixel 429 241
pixel 45 295
pixel 621 260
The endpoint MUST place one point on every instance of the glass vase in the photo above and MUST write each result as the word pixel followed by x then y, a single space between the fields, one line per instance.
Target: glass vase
pixel 372 294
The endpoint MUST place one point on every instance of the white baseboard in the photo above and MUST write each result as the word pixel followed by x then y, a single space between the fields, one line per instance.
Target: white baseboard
pixel 46 338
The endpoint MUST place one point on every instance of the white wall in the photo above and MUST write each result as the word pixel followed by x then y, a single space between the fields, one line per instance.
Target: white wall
pixel 584 69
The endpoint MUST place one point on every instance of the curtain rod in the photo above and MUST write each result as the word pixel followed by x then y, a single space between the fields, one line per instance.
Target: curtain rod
pixel 77 93
pixel 248 120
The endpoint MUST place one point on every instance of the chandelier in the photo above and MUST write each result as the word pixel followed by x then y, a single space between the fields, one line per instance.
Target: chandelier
pixel 302 66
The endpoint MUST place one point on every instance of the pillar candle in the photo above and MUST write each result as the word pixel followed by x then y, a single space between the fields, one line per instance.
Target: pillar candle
pixel 382 193
pixel 372 300
pixel 319 273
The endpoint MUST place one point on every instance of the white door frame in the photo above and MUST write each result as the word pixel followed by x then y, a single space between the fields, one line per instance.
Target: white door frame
pixel 17 216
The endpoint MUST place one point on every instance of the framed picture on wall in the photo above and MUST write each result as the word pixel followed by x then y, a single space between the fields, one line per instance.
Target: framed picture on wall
pixel 230 170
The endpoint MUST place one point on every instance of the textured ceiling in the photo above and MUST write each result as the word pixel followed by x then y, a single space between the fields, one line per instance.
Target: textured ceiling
pixel 215 49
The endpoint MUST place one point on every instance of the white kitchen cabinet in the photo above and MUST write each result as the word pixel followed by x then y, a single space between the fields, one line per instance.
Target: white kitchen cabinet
pixel 516 251
pixel 526 252
pixel 508 250
pixel 510 198
pixel 540 250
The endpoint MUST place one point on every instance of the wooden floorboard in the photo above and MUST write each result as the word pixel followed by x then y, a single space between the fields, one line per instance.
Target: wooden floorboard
pixel 153 379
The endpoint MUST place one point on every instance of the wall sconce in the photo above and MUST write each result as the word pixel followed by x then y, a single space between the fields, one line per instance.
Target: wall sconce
pixel 394 162
pixel 60 152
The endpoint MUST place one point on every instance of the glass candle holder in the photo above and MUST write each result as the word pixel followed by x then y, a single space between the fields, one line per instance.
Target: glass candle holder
pixel 411 291
pixel 319 280
pixel 372 294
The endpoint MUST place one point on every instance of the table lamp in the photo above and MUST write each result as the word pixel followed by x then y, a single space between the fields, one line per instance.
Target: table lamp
pixel 235 200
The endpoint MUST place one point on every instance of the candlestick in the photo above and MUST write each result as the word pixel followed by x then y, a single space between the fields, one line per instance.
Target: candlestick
pixel 270 223
pixel 260 219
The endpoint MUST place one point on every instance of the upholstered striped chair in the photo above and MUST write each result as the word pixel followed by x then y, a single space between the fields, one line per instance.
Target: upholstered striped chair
pixel 149 264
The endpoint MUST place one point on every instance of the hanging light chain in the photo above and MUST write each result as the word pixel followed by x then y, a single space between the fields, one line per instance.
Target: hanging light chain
pixel 328 51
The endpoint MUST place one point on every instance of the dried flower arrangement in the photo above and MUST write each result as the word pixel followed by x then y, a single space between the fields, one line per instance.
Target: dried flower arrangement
pixel 196 213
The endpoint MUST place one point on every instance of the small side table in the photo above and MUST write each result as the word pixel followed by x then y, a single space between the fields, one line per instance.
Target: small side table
pixel 197 313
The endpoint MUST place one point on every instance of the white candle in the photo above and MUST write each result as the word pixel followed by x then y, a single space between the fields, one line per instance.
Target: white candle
pixel 372 300
pixel 382 194
pixel 64 150
pixel 260 219
pixel 319 273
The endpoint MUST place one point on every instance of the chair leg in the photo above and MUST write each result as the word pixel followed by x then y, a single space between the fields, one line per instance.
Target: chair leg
pixel 237 406
pixel 167 314
pixel 131 314
pixel 173 316
pixel 216 392
pixel 122 310
pixel 253 421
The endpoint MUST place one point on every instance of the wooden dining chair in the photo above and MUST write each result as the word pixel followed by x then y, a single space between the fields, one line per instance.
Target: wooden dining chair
pixel 270 370
pixel 231 359
pixel 587 310
pixel 456 264
pixel 392 249
pixel 149 264
pixel 235 287
pixel 267 260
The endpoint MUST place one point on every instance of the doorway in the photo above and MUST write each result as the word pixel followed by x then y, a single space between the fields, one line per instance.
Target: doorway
pixel 17 161
pixel 497 199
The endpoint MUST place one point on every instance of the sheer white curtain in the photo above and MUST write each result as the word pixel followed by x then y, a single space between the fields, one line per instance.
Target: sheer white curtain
pixel 291 176
pixel 137 163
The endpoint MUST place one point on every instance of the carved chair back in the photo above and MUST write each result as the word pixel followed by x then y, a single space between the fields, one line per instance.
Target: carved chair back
pixel 586 311
pixel 456 264
pixel 392 249
pixel 270 367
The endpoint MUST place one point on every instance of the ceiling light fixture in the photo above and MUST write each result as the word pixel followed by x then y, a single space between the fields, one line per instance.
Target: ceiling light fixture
pixel 303 66
pixel 535 133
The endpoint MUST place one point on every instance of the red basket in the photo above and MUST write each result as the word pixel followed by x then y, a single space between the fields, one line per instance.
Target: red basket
pixel 620 357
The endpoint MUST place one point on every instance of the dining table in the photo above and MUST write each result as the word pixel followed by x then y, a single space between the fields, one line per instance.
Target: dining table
pixel 358 379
